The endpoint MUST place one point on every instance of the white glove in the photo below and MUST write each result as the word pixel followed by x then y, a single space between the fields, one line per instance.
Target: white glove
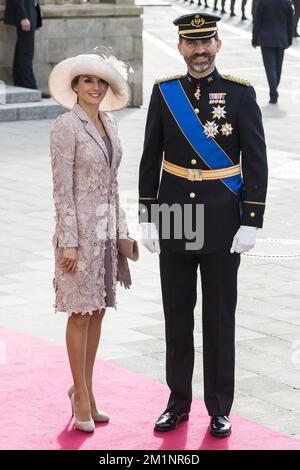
pixel 150 238
pixel 244 239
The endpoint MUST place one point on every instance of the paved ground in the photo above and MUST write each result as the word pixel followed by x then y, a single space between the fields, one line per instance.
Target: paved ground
pixel 268 319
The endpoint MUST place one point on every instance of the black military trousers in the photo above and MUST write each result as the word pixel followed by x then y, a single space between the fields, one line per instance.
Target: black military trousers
pixel 232 5
pixel 219 296
pixel 222 3
pixel 23 75
pixel 273 59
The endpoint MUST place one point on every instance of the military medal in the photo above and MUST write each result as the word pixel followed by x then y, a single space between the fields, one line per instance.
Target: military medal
pixel 219 112
pixel 217 98
pixel 197 93
pixel 226 129
pixel 211 129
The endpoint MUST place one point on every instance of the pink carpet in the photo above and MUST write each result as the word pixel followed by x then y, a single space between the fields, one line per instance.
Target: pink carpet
pixel 35 409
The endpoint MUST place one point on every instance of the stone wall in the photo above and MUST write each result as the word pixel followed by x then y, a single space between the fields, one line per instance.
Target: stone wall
pixel 76 27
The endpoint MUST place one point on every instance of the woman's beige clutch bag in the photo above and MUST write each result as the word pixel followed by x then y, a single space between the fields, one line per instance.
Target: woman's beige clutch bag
pixel 128 247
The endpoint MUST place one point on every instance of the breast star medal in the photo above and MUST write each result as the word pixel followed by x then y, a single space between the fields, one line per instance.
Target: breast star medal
pixel 211 129
pixel 226 129
pixel 197 93
pixel 219 112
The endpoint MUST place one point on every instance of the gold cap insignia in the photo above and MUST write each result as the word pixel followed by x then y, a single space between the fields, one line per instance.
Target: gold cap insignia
pixel 197 22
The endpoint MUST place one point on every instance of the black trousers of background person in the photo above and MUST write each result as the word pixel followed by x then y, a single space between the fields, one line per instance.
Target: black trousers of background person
pixel 219 297
pixel 23 75
pixel 232 5
pixel 222 3
pixel 273 59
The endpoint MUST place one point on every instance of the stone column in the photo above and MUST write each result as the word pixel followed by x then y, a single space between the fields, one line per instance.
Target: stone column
pixel 72 27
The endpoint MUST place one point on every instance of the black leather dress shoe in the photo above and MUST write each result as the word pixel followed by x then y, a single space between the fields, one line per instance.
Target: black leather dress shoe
pixel 220 426
pixel 169 421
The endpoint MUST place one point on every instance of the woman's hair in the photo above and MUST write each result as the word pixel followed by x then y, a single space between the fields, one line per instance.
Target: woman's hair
pixel 74 82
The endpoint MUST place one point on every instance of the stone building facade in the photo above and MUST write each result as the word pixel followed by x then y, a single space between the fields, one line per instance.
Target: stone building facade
pixel 72 27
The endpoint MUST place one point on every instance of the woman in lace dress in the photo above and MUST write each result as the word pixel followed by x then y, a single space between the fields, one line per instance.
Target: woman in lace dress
pixel 85 156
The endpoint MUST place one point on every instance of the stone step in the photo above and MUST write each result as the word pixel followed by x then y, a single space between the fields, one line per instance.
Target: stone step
pixel 13 94
pixel 44 109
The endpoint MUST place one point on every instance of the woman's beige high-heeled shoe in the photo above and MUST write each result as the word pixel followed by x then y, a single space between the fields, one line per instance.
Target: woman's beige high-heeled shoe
pixel 100 417
pixel 86 426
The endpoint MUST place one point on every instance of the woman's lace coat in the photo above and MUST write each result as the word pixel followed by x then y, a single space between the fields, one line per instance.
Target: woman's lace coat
pixel 86 198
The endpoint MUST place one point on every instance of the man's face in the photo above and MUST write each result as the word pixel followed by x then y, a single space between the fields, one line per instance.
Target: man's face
pixel 199 54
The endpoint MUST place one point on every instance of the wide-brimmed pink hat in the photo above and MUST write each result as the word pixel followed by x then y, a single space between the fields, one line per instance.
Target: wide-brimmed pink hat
pixel 109 69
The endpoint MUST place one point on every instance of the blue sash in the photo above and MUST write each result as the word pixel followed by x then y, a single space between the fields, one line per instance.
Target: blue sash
pixel 192 128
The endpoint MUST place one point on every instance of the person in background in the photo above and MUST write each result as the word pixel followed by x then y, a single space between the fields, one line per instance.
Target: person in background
pixel 26 16
pixel 232 5
pixel 223 6
pixel 273 31
pixel 206 5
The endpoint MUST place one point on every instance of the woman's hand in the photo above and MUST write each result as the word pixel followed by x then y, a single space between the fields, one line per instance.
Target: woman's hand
pixel 69 260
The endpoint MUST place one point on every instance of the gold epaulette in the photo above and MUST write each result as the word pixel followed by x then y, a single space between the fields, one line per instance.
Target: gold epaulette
pixel 167 79
pixel 241 81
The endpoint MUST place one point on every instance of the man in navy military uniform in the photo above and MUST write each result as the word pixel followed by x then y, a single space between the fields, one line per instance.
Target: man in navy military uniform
pixel 202 123
pixel 273 30
pixel 26 16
